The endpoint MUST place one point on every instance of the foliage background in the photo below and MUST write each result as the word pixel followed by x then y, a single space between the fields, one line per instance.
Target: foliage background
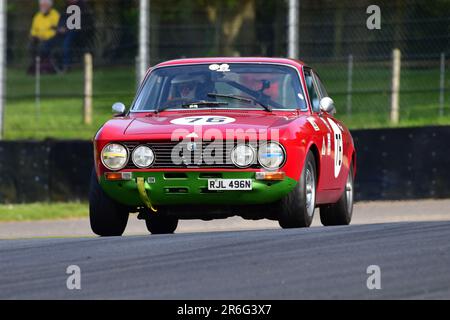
pixel 329 32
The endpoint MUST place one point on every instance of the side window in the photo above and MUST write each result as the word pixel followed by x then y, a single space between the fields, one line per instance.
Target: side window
pixel 147 97
pixel 312 90
pixel 322 89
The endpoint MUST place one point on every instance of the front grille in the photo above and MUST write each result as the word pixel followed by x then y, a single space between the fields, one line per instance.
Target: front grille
pixel 163 156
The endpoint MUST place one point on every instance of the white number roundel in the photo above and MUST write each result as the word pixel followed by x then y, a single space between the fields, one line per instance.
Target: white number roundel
pixel 338 148
pixel 203 120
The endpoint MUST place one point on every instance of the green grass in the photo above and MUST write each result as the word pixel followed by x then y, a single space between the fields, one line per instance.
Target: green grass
pixel 60 113
pixel 419 97
pixel 42 211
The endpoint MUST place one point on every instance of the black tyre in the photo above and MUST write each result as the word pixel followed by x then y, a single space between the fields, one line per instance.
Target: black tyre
pixel 160 222
pixel 297 208
pixel 108 218
pixel 340 213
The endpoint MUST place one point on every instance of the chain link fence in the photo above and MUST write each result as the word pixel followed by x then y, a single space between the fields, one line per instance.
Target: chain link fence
pixel 355 63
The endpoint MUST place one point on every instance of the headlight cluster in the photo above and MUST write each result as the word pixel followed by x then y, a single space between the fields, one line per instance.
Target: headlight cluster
pixel 115 156
pixel 143 157
pixel 270 155
pixel 243 156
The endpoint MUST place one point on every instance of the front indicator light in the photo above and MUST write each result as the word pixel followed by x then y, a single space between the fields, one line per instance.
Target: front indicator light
pixel 118 176
pixel 270 176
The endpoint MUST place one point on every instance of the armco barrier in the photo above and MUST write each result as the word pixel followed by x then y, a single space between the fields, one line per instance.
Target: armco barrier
pixel 405 163
pixel 44 171
pixel 393 164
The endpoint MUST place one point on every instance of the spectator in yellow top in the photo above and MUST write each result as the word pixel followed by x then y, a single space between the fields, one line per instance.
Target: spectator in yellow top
pixel 43 35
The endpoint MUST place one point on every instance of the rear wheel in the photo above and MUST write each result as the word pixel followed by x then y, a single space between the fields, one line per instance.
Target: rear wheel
pixel 108 218
pixel 340 213
pixel 161 223
pixel 297 208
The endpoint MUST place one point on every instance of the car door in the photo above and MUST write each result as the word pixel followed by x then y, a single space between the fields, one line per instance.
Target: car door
pixel 323 131
pixel 334 139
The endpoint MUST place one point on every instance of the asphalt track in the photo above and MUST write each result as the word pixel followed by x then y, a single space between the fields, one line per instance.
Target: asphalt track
pixel 413 254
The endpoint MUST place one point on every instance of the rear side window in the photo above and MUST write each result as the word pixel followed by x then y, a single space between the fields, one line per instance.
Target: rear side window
pixel 322 88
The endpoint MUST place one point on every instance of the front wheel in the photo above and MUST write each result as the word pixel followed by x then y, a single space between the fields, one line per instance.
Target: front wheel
pixel 340 213
pixel 108 218
pixel 297 208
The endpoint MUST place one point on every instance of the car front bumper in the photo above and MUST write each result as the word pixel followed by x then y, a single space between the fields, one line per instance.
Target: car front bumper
pixel 191 188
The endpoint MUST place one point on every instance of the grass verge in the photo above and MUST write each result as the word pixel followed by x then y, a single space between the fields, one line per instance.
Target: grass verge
pixel 59 114
pixel 43 211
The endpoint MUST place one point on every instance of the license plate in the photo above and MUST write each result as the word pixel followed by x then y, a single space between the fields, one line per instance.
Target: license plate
pixel 230 184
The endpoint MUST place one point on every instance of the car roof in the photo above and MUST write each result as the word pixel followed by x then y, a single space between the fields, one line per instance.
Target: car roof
pixel 218 60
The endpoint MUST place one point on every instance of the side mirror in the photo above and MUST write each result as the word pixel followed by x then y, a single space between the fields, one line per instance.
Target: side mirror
pixel 118 109
pixel 327 105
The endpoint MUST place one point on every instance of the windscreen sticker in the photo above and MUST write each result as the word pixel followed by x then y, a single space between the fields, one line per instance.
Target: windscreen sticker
pixel 203 120
pixel 220 67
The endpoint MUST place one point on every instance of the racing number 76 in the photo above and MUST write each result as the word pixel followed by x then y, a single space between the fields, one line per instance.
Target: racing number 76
pixel 208 120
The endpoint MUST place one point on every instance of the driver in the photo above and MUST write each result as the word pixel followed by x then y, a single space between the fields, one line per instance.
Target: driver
pixel 187 90
pixel 184 87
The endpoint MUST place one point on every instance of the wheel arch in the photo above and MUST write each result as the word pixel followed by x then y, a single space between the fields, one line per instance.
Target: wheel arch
pixel 315 151
pixel 354 163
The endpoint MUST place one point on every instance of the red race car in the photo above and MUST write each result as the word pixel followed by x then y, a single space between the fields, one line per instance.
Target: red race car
pixel 217 137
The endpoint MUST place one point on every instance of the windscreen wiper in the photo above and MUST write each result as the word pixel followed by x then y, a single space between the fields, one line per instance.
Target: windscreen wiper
pixel 248 100
pixel 196 104
pixel 231 96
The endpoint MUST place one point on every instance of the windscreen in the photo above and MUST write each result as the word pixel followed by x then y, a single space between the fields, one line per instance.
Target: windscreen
pixel 230 86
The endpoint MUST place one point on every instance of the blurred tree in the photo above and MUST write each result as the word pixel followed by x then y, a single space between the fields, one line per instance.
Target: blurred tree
pixel 339 25
pixel 328 28
pixel 229 16
pixel 106 23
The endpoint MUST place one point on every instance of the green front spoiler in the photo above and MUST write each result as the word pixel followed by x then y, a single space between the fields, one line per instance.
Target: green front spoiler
pixel 191 188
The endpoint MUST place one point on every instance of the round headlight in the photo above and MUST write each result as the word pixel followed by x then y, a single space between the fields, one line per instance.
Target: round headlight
pixel 271 155
pixel 243 156
pixel 114 156
pixel 143 157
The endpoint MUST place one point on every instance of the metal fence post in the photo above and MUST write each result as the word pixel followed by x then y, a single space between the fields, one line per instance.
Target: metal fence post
pixel 88 78
pixel 395 90
pixel 138 72
pixel 3 17
pixel 144 36
pixel 349 85
pixel 37 86
pixel 293 29
pixel 442 85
